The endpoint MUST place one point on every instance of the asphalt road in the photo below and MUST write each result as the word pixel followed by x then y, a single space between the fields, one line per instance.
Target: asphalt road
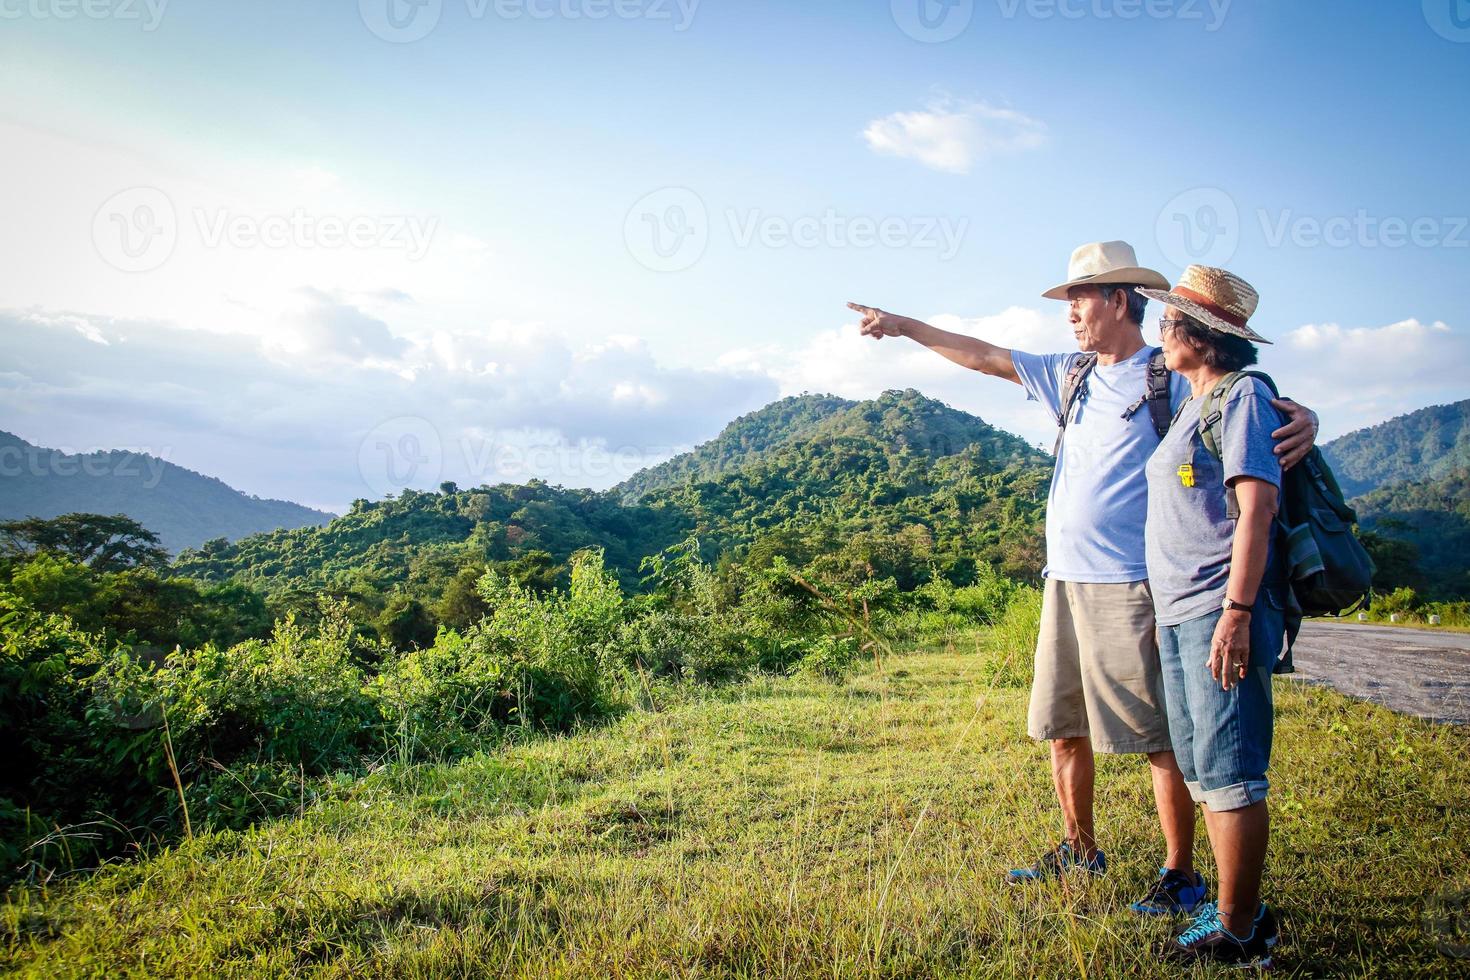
pixel 1420 672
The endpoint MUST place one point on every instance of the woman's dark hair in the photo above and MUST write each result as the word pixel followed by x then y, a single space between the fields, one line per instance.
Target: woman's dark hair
pixel 1221 351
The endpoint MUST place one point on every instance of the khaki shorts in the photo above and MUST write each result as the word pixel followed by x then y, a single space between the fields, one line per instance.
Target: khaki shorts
pixel 1097 668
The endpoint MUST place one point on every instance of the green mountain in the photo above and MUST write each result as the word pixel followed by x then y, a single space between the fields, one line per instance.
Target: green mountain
pixel 182 507
pixel 807 475
pixel 1432 519
pixel 741 442
pixel 1422 445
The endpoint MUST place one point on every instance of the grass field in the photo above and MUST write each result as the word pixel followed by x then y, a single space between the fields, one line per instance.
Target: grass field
pixel 780 828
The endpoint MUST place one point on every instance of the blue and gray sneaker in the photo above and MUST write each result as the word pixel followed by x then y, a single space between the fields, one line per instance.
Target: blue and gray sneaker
pixel 1208 941
pixel 1055 863
pixel 1174 893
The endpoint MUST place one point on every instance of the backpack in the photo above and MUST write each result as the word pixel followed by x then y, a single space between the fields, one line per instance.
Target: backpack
pixel 1328 569
pixel 1155 395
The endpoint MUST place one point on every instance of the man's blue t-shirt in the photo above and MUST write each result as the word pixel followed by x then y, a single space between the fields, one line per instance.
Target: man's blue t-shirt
pixel 1190 537
pixel 1098 503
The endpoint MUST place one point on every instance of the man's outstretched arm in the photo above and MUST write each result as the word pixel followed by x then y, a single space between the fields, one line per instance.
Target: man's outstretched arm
pixel 970 352
pixel 1297 437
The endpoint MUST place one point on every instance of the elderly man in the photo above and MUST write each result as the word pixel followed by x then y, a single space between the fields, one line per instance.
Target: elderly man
pixel 1098 685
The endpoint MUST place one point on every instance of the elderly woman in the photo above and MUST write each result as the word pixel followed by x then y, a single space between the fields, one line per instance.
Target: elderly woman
pixel 1213 487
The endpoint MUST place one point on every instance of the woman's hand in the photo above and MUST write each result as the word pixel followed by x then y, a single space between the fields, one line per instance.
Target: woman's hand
pixel 878 324
pixel 1230 651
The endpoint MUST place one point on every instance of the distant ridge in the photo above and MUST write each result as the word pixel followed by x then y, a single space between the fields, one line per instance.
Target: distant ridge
pixel 1422 445
pixel 184 508
pixel 804 475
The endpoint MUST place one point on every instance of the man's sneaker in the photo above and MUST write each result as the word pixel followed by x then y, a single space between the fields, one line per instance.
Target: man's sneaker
pixel 1055 863
pixel 1174 893
pixel 1207 941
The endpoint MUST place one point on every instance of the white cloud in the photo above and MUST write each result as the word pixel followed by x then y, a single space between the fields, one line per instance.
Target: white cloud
pixel 952 137
pixel 841 361
pixel 283 414
pixel 1359 376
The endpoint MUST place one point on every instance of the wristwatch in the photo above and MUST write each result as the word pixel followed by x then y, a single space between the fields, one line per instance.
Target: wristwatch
pixel 1230 604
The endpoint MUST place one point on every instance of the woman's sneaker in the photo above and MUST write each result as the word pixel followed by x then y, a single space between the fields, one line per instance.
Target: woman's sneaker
pixel 1055 863
pixel 1174 893
pixel 1208 941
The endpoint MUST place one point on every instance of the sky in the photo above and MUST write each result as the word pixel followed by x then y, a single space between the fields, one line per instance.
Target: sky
pixel 327 250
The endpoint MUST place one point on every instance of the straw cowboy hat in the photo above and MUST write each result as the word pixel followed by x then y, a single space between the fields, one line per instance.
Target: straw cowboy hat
pixel 1220 300
pixel 1101 263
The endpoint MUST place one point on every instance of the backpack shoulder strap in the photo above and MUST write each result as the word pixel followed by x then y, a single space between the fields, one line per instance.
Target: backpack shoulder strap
pixel 1212 422
pixel 1071 391
pixel 1158 391
pixel 1155 394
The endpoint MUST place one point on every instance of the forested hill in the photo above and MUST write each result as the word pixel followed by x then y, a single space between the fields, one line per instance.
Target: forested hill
pixel 893 485
pixel 182 507
pixel 904 420
pixel 1421 445
pixel 740 442
pixel 1431 521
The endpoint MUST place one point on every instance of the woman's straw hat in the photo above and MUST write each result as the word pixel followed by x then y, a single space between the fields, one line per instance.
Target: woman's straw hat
pixel 1101 263
pixel 1220 300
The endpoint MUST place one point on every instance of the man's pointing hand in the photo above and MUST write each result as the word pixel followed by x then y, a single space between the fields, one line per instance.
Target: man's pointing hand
pixel 876 323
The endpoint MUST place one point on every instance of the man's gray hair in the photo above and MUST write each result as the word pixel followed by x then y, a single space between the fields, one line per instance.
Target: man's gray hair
pixel 1137 302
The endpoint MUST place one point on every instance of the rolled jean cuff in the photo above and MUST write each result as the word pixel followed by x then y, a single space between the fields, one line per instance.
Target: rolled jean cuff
pixel 1236 796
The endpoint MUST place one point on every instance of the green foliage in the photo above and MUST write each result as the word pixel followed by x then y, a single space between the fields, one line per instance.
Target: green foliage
pixel 1009 656
pixel 138 606
pixel 1421 531
pixel 830 657
pixel 406 623
pixel 103 543
pixel 887 487
pixel 1423 445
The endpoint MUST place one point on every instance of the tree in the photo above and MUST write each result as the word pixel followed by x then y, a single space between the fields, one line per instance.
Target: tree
pixel 462 606
pixel 448 488
pixel 406 623
pixel 105 544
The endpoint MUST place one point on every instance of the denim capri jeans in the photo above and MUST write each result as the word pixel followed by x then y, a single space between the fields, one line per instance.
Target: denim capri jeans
pixel 1222 739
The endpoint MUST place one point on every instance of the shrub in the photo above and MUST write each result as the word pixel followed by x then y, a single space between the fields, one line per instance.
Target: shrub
pixel 1008 655
pixel 830 657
